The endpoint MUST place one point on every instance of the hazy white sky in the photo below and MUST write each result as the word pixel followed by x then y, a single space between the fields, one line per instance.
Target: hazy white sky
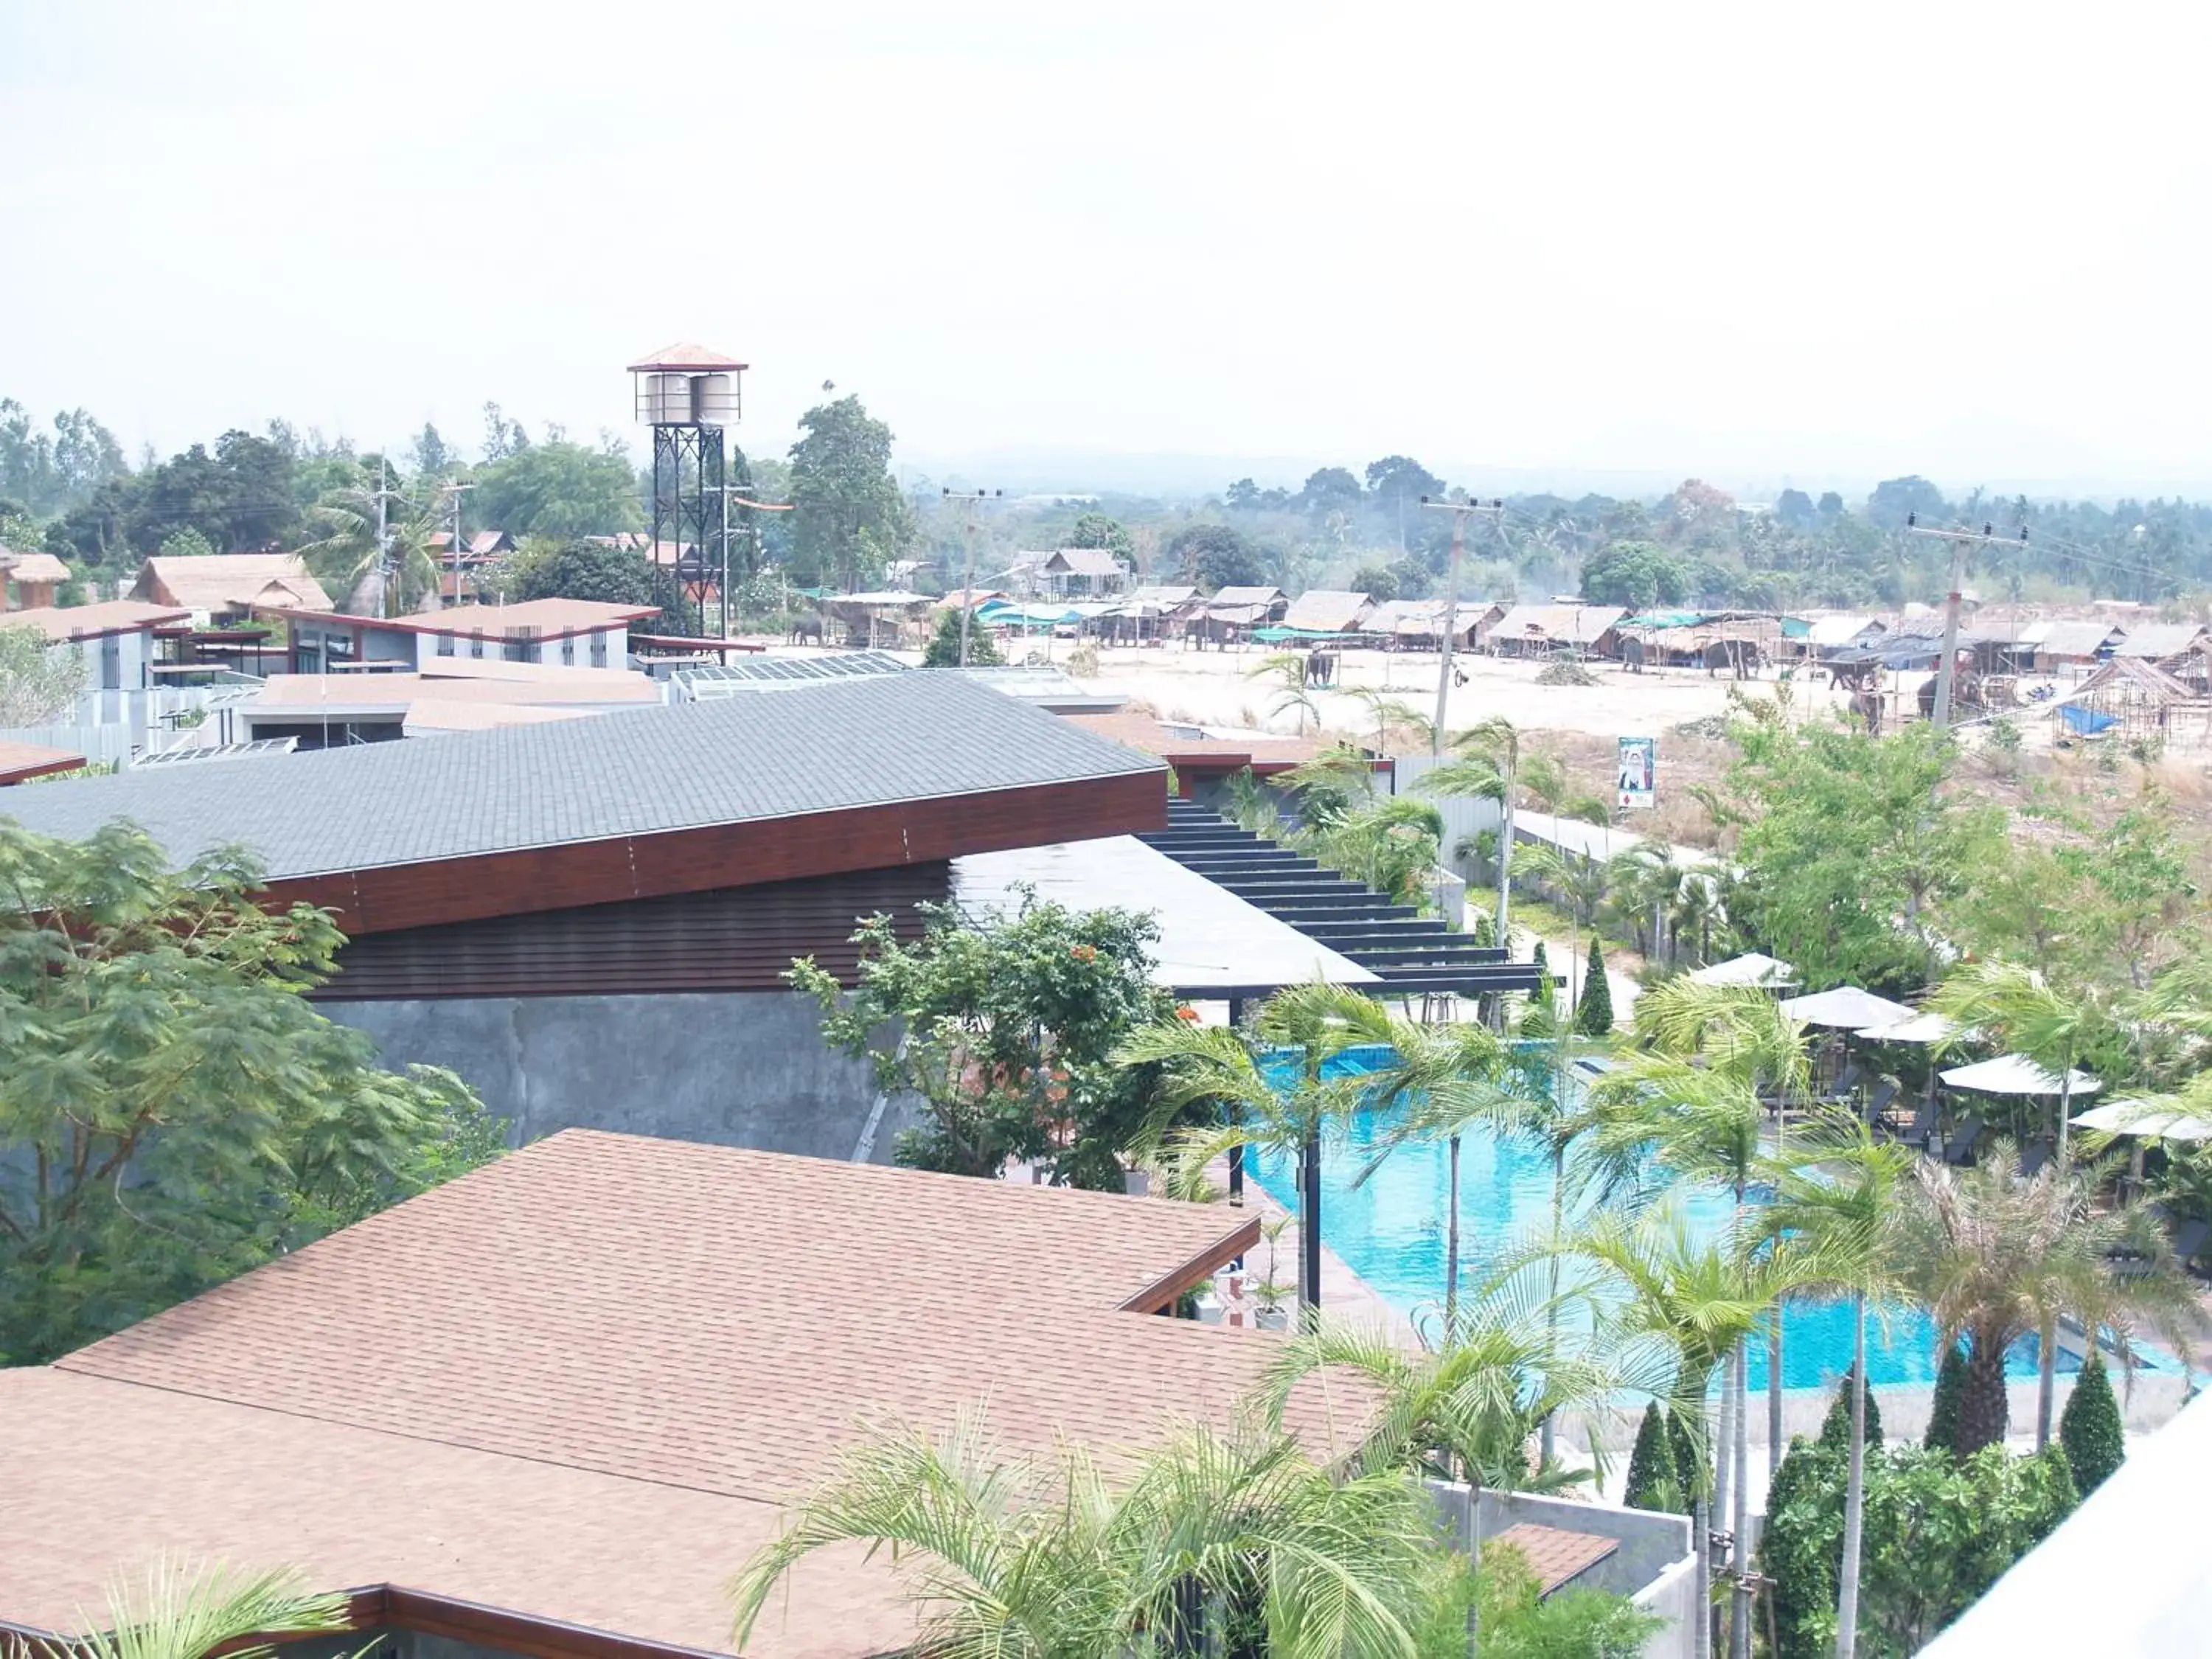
pixel 1815 240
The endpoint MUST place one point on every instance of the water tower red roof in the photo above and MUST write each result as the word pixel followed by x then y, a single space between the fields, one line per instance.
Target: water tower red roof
pixel 685 357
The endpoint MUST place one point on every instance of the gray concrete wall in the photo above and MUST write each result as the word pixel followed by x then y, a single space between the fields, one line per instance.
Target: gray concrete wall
pixel 1650 1542
pixel 732 1069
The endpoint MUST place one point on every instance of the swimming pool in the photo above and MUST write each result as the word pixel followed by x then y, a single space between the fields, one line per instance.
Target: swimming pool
pixel 1390 1231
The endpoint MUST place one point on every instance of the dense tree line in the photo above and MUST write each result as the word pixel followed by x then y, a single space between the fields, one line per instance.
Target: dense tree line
pixel 66 486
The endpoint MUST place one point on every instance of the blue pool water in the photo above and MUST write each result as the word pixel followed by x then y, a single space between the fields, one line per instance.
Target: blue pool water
pixel 1390 1231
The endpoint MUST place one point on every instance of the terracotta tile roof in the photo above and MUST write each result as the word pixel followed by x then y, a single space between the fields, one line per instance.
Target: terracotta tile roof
pixel 1556 1556
pixel 19 762
pixel 90 621
pixel 573 1385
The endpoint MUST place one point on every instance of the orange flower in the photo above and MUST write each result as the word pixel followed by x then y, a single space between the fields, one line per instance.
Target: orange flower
pixel 1188 1013
pixel 1085 953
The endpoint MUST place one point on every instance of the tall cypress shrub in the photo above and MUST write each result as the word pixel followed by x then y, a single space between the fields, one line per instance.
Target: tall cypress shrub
pixel 1595 1017
pixel 1652 1472
pixel 1836 1427
pixel 1943 1411
pixel 2089 1428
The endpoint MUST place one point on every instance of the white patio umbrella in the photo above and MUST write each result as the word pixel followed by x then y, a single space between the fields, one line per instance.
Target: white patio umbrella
pixel 1846 1008
pixel 2016 1074
pixel 2140 1117
pixel 1916 1028
pixel 1762 972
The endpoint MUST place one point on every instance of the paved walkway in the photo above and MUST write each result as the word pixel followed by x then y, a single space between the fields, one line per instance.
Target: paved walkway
pixel 1346 1298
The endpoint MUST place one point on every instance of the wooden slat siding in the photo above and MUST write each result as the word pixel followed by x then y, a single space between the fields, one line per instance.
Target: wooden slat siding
pixel 732 938
pixel 758 850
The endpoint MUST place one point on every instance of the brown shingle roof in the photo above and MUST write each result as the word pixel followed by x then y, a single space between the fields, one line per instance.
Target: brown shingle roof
pixel 1556 1556
pixel 1152 737
pixel 607 1359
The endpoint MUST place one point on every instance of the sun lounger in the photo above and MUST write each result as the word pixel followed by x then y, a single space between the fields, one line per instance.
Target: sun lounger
pixel 1961 1149
pixel 2190 1239
pixel 1878 1102
pixel 2033 1157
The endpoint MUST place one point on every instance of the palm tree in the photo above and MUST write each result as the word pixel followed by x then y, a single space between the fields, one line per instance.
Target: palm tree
pixel 1289 1115
pixel 388 577
pixel 1994 1257
pixel 1838 1194
pixel 1465 1410
pixel 1443 1075
pixel 1392 713
pixel 1650 1277
pixel 188 1611
pixel 1692 1103
pixel 1490 771
pixel 1287 669
pixel 2017 1006
pixel 1012 1558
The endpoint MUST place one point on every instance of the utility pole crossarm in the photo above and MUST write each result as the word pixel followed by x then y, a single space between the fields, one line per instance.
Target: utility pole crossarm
pixel 1960 540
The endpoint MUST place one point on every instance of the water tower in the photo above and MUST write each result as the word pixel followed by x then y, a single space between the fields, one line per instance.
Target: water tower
pixel 686 394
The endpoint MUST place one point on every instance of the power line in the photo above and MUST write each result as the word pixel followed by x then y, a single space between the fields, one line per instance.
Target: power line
pixel 975 499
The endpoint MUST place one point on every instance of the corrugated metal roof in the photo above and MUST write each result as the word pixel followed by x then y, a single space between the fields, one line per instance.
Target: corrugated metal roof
pixel 1559 624
pixel 833 747
pixel 2074 638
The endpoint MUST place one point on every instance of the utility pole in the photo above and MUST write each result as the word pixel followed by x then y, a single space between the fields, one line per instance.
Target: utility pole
pixel 737 491
pixel 383 494
pixel 1960 540
pixel 973 499
pixel 456 488
pixel 1461 511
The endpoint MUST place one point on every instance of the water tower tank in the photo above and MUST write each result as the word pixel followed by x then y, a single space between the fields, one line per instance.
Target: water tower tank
pixel 714 399
pixel 668 399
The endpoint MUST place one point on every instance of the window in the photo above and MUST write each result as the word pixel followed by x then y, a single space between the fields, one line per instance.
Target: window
pixel 475 645
pixel 111 662
pixel 445 645
pixel 569 649
pixel 599 651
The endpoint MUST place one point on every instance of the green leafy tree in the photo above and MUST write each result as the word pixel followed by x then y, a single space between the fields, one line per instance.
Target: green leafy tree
pixel 1595 1017
pixel 37 682
pixel 343 552
pixel 187 544
pixel 1008 1027
pixel 1098 529
pixel 1216 556
pixel 557 489
pixel 1545 998
pixel 1518 1621
pixel 1028 1559
pixel 1691 1464
pixel 173 1110
pixel 1638 574
pixel 943 648
pixel 580 569
pixel 1944 1409
pixel 848 516
pixel 1841 835
pixel 2090 1428
pixel 1377 581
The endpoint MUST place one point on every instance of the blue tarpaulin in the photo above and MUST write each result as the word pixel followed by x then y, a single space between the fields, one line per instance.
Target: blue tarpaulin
pixel 2087 722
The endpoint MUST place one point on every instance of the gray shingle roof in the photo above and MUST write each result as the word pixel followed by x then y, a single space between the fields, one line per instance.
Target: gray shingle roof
pixel 823 748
